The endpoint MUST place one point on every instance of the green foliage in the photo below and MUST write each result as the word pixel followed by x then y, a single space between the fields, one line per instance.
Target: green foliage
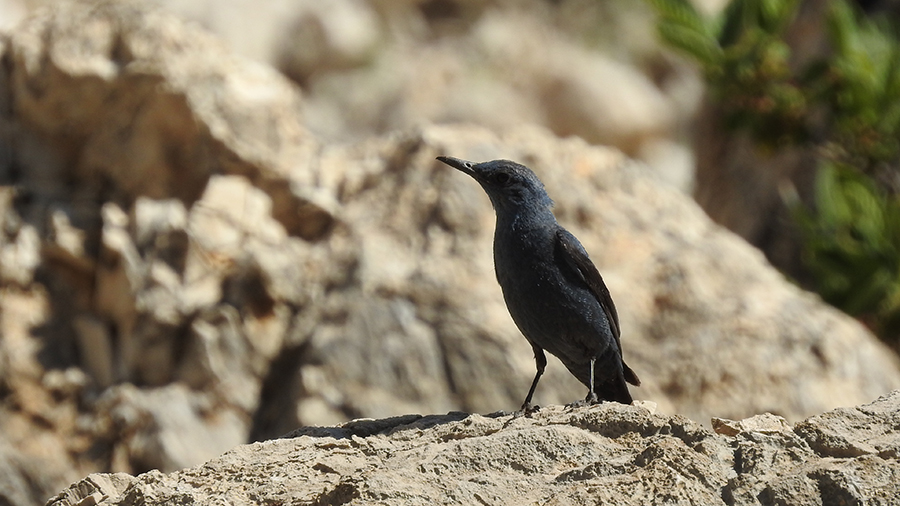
pixel 746 62
pixel 853 246
pixel 683 28
pixel 843 106
pixel 865 90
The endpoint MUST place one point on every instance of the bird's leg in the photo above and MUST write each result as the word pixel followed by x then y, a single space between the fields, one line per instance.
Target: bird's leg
pixel 591 396
pixel 540 360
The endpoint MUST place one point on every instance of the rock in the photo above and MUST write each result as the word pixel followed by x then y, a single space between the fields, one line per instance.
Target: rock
pixel 95 489
pixel 30 470
pixel 19 245
pixel 167 428
pixel 852 432
pixel 606 103
pixel 102 67
pixel 11 13
pixel 343 34
pixel 608 453
pixel 370 67
pixel 112 287
pixel 189 268
pixel 765 423
pixel 14 476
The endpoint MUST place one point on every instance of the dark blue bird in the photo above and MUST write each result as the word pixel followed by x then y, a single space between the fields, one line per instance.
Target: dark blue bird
pixel 553 291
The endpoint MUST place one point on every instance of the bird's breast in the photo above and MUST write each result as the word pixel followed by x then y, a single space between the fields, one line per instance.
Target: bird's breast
pixel 550 308
pixel 535 287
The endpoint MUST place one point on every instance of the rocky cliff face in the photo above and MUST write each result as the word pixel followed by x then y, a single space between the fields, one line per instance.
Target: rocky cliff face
pixel 606 454
pixel 186 268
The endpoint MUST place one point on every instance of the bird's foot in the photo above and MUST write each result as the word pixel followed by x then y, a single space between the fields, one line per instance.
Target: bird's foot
pixel 528 409
pixel 590 400
pixel 525 411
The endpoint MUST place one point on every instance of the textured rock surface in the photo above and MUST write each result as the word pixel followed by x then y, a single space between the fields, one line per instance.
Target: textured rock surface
pixel 607 454
pixel 369 67
pixel 185 268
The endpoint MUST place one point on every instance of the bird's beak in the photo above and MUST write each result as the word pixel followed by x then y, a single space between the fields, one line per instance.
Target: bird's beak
pixel 456 163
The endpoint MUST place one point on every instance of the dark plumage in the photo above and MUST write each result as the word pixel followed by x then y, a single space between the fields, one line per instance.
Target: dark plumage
pixel 552 290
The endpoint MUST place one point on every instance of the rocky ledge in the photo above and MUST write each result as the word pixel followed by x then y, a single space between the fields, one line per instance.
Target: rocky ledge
pixel 603 454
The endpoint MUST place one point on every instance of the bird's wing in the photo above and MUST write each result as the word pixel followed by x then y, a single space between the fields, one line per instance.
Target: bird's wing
pixel 577 258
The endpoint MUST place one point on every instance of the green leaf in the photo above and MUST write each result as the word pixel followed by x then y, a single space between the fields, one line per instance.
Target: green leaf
pixel 682 27
pixel 701 47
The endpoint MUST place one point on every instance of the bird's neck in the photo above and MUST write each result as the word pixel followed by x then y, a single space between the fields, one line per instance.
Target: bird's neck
pixel 526 220
pixel 522 242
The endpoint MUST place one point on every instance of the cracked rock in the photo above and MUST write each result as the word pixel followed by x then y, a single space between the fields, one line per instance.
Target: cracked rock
pixel 604 454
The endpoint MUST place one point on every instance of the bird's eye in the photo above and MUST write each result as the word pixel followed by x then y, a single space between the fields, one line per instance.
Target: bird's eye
pixel 502 178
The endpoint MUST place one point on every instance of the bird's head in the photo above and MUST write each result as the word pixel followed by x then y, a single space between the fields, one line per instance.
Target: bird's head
pixel 511 186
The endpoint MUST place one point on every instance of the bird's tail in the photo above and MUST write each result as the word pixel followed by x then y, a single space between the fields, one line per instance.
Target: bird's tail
pixel 607 387
pixel 630 376
pixel 614 390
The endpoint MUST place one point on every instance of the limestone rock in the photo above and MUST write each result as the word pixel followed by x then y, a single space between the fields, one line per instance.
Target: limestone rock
pixel 166 428
pixel 369 67
pixel 766 423
pixel 610 454
pixel 851 432
pixel 15 471
pixel 131 79
pixel 185 267
pixel 96 489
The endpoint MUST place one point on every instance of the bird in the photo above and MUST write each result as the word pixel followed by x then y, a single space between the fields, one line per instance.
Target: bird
pixel 553 291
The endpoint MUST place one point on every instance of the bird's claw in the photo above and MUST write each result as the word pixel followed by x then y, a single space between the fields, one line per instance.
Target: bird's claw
pixel 528 409
pixel 589 400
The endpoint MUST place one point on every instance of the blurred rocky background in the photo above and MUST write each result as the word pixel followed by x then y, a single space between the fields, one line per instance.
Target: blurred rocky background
pixel 223 220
